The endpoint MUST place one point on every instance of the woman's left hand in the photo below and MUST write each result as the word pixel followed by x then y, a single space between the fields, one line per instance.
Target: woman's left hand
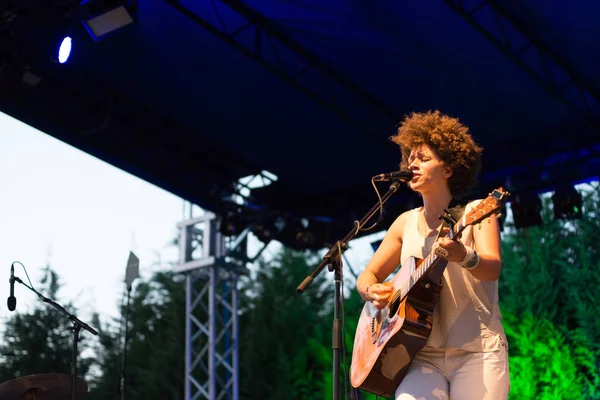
pixel 451 250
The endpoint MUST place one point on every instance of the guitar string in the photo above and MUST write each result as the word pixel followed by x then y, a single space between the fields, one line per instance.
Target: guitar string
pixel 430 260
pixel 415 276
pixel 432 257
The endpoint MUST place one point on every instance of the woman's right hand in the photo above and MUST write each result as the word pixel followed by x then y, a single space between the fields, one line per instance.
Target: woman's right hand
pixel 379 294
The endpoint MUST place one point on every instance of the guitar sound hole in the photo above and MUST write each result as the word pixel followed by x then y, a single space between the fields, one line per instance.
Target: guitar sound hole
pixel 394 308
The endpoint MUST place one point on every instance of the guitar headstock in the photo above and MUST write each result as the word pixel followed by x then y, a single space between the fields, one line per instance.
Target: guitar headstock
pixel 488 206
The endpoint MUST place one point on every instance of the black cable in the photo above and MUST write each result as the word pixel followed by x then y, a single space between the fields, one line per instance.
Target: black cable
pixel 380 209
pixel 25 270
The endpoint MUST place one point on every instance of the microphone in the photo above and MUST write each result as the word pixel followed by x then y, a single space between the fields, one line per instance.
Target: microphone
pixel 12 300
pixel 404 175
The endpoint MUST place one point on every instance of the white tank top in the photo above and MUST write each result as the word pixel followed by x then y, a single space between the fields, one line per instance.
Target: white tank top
pixel 467 315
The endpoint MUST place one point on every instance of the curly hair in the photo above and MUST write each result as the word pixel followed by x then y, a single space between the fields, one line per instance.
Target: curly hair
pixel 451 142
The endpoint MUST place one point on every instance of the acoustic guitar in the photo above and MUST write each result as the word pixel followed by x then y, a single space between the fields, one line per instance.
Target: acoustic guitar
pixel 387 340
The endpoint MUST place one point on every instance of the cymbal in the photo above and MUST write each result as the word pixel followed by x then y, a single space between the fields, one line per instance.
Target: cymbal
pixel 42 387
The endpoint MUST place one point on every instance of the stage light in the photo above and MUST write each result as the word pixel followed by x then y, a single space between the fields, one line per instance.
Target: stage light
pixel 107 17
pixel 233 220
pixel 526 210
pixel 269 228
pixel 311 233
pixel 305 238
pixel 57 44
pixel 64 49
pixel 567 203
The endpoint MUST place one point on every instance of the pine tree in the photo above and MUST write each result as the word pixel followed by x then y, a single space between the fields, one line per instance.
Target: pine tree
pixel 155 348
pixel 283 333
pixel 41 341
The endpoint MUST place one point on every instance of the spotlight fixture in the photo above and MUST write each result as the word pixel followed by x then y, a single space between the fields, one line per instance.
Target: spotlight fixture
pixel 107 16
pixel 56 40
pixel 526 210
pixel 567 203
pixel 64 49
pixel 57 46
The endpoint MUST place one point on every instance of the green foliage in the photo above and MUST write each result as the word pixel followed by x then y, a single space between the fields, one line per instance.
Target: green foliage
pixel 155 348
pixel 550 297
pixel 41 341
pixel 541 363
pixel 105 385
pixel 284 333
pixel 286 339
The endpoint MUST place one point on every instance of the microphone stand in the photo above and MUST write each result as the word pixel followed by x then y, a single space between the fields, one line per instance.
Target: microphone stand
pixel 77 325
pixel 124 359
pixel 333 259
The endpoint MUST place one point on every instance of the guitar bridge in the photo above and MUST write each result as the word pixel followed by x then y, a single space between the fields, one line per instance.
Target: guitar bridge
pixel 373 331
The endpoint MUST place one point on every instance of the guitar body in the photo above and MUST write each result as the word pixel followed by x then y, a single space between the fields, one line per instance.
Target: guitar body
pixel 387 340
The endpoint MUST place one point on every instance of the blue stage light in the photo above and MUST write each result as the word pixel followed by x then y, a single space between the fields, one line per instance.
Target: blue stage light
pixel 64 50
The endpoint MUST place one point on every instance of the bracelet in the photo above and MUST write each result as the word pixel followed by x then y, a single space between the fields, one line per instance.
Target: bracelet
pixel 468 256
pixel 367 292
pixel 471 259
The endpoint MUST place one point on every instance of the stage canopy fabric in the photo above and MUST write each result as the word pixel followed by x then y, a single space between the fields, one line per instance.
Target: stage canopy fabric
pixel 197 94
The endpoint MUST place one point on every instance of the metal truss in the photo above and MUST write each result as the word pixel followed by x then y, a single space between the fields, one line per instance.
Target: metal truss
pixel 259 38
pixel 211 338
pixel 497 25
pixel 546 173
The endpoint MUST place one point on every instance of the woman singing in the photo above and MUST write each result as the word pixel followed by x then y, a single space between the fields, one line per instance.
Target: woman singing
pixel 466 355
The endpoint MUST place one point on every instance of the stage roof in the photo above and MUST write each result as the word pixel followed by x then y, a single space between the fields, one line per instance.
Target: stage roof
pixel 197 94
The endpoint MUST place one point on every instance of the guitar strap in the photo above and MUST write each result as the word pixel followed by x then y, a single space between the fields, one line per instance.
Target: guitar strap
pixel 457 210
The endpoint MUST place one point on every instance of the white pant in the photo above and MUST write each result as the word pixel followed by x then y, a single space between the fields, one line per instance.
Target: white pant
pixel 442 374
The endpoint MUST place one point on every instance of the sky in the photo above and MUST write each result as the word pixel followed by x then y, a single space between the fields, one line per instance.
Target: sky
pixel 82 216
pixel 63 207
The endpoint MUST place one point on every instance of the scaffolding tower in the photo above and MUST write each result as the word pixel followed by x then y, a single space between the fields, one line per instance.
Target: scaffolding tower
pixel 212 264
